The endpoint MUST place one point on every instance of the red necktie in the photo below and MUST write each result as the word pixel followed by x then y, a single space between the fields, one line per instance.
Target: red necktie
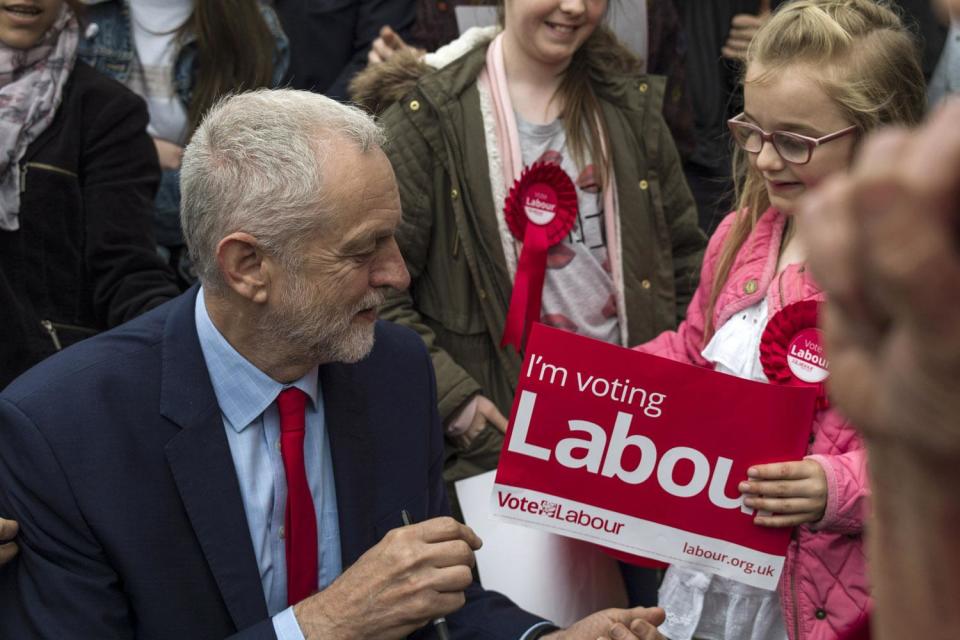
pixel 300 521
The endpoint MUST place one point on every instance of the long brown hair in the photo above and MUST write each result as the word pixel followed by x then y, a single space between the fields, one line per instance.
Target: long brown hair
pixel 601 56
pixel 870 68
pixel 235 51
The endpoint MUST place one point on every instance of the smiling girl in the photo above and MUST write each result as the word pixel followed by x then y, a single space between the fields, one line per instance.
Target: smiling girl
pixel 818 76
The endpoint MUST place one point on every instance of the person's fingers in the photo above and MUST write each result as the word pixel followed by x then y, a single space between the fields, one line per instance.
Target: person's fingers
pixel 644 630
pixel 454 579
pixel 382 50
pixel 794 470
pixel 827 226
pixel 733 53
pixel 446 528
pixel 373 58
pixel 451 553
pixel 744 21
pixel 7 552
pixel 784 506
pixel 780 522
pixel 651 615
pixel 392 39
pixel 805 488
pixel 764 8
pixel 492 414
pixel 8 530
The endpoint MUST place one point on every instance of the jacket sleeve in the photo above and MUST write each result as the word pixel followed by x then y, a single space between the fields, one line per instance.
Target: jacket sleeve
pixel 415 168
pixel 61 585
pixel 119 178
pixel 686 343
pixel 848 490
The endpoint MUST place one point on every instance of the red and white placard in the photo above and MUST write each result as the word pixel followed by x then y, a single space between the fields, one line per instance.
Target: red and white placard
pixel 643 455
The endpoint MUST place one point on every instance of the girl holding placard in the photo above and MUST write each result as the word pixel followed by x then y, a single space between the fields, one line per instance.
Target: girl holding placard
pixel 818 76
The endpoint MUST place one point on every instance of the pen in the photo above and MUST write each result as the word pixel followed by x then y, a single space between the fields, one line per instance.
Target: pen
pixel 440 624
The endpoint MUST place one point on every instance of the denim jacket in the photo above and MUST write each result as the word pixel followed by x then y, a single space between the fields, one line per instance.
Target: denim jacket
pixel 107 46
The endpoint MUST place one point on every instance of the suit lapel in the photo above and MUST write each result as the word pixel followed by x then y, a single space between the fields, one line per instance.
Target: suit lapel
pixel 203 470
pixel 351 449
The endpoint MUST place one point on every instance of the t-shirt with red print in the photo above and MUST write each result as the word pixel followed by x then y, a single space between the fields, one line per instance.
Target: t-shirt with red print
pixel 578 292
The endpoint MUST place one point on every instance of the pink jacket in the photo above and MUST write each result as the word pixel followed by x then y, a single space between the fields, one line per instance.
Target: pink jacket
pixel 823 588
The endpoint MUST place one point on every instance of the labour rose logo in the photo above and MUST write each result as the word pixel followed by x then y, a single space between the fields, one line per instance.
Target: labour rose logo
pixel 791 349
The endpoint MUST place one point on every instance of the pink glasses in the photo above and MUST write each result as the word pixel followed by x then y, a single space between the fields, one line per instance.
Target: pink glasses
pixel 792 147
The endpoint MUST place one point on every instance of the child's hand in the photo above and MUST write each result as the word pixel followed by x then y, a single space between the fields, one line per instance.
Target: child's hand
pixel 794 492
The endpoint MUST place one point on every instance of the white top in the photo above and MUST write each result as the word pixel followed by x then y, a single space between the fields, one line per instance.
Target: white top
pixel 155 24
pixel 699 604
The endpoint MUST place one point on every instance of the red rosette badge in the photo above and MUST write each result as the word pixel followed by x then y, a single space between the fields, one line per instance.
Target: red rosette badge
pixel 540 211
pixel 791 349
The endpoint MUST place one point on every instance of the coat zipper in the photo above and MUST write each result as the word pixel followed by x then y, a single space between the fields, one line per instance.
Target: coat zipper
pixel 793 592
pixel 53 334
pixel 45 167
pixel 51 328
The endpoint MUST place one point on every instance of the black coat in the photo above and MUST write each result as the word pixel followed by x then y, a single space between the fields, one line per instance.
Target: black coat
pixel 84 258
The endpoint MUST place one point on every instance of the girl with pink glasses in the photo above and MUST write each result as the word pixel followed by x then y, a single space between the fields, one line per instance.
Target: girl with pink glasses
pixel 818 75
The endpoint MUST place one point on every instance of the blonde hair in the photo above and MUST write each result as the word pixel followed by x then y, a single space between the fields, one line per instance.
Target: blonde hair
pixel 870 68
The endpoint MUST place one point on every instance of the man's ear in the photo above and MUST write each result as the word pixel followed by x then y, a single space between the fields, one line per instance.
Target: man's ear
pixel 243 265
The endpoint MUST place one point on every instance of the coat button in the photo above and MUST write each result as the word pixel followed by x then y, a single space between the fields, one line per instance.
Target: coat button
pixel 750 286
pixel 645 283
pixel 643 87
pixel 820 614
pixel 482 294
pixel 454 194
pixel 644 185
pixel 282 532
pixel 414 105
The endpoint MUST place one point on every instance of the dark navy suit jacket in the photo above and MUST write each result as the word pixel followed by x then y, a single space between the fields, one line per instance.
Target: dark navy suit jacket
pixel 114 460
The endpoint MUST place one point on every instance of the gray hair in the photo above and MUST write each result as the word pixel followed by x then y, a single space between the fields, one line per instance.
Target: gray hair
pixel 255 164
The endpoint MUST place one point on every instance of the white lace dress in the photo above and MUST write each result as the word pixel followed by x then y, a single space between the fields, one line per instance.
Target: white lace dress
pixel 701 605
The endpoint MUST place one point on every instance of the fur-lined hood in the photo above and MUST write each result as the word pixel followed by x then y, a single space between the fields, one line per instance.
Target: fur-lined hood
pixel 379 86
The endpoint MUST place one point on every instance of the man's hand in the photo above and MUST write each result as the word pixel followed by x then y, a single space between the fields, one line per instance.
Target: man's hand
pixel 794 492
pixel 386 45
pixel 413 575
pixel 8 548
pixel 614 623
pixel 742 29
pixel 169 154
pixel 884 242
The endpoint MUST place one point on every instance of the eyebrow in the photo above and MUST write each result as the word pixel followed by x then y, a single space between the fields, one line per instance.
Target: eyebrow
pixel 362 242
pixel 793 127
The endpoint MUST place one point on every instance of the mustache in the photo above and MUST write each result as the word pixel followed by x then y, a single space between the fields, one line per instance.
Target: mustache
pixel 371 300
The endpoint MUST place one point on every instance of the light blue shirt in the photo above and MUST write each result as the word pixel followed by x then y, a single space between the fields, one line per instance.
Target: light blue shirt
pixel 247 399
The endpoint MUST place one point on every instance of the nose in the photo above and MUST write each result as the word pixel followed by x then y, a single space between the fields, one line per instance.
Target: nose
pixel 390 270
pixel 573 7
pixel 769 160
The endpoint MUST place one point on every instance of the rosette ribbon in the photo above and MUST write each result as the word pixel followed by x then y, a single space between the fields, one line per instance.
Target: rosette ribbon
pixel 791 349
pixel 540 211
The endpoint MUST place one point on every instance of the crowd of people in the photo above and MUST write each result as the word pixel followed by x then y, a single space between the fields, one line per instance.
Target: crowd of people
pixel 248 324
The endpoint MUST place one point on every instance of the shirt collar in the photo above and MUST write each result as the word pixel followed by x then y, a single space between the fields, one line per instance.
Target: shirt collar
pixel 243 391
